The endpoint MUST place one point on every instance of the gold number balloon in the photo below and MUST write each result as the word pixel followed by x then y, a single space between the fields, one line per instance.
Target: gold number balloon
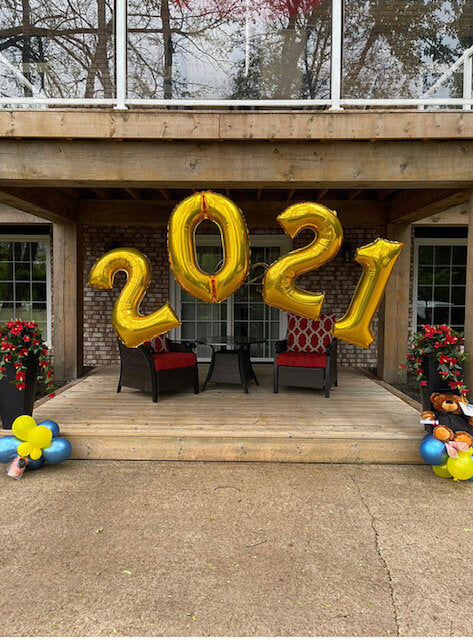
pixel 235 242
pixel 279 288
pixel 132 328
pixel 377 259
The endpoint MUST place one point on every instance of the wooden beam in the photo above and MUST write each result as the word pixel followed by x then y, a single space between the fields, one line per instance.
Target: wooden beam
pixel 342 165
pixel 355 194
pixel 149 212
pixel 67 301
pixel 468 366
pixel 396 307
pixel 410 206
pixel 50 204
pixel 102 193
pixel 234 125
pixel 133 193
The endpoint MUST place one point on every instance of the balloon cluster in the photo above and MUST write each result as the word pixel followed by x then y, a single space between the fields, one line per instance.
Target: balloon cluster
pixel 38 443
pixel 458 466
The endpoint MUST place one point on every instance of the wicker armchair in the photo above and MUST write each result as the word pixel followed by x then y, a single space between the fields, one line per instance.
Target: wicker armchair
pixel 316 369
pixel 318 372
pixel 144 370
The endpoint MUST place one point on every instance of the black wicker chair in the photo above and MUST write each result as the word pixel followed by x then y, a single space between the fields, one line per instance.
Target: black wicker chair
pixel 311 370
pixel 144 370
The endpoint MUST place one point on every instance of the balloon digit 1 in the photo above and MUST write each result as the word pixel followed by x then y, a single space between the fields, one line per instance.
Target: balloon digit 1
pixel 377 259
pixel 181 246
pixel 279 289
pixel 132 328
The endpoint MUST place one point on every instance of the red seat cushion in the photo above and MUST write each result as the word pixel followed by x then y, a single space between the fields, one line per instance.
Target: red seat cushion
pixel 293 359
pixel 309 336
pixel 173 360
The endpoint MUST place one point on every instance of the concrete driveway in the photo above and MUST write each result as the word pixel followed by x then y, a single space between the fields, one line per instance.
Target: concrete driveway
pixel 149 548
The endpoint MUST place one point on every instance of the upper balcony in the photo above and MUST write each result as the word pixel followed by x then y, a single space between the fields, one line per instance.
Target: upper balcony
pixel 314 54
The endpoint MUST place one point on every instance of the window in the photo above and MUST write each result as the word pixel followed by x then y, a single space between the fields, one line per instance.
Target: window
pixel 25 281
pixel 244 313
pixel 440 278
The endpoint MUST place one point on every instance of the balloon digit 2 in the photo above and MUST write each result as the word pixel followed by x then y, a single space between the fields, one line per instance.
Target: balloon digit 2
pixel 235 242
pixel 279 288
pixel 377 259
pixel 132 328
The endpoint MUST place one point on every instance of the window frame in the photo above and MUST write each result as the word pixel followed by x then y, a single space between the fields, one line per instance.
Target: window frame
pixel 418 242
pixel 6 237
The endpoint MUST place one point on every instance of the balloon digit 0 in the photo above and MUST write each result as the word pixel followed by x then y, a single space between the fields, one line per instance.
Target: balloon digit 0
pixel 279 289
pixel 377 259
pixel 132 328
pixel 181 246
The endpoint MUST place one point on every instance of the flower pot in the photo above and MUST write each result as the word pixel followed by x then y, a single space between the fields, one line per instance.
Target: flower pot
pixel 435 382
pixel 14 403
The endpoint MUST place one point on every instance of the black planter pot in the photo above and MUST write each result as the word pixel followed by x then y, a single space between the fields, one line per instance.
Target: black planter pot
pixel 435 382
pixel 14 403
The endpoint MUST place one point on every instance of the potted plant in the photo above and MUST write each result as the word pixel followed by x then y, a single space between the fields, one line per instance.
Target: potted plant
pixel 435 357
pixel 23 361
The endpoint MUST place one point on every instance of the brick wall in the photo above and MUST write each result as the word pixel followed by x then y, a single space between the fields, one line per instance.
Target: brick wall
pixel 337 279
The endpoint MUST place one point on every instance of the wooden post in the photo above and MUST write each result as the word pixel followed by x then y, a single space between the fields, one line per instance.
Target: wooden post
pixel 395 333
pixel 468 366
pixel 67 301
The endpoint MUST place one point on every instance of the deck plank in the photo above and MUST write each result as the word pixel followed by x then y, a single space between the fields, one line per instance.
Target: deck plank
pixel 361 422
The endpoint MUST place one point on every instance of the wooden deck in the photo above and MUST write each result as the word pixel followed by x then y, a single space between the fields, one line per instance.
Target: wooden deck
pixel 361 422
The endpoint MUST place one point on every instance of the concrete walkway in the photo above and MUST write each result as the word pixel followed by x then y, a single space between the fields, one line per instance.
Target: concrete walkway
pixel 149 548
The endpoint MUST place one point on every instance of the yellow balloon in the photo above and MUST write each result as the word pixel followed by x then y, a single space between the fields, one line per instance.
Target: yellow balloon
pixel 22 426
pixel 24 449
pixel 279 288
pixel 35 453
pixel 183 223
pixel 40 436
pixel 465 454
pixel 377 259
pixel 441 470
pixel 132 328
pixel 461 468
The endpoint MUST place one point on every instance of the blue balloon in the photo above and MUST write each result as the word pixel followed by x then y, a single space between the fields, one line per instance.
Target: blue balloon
pixel 53 426
pixel 35 464
pixel 8 447
pixel 59 450
pixel 433 451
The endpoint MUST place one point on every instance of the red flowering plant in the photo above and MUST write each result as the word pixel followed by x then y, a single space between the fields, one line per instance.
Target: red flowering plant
pixel 446 346
pixel 17 341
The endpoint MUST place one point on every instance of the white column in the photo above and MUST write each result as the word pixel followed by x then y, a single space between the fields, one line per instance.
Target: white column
pixel 336 67
pixel 467 81
pixel 120 51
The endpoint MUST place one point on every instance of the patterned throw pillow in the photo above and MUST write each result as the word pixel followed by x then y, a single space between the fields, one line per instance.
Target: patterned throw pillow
pixel 309 336
pixel 160 344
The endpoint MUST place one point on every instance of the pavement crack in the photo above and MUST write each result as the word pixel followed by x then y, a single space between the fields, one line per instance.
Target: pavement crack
pixel 380 554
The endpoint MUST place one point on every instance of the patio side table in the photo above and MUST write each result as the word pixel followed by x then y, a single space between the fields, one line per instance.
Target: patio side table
pixel 231 362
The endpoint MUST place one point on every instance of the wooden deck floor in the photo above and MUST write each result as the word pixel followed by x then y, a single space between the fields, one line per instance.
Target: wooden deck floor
pixel 361 422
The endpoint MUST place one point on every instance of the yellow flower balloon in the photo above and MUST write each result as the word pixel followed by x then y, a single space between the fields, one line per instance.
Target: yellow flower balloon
pixel 40 436
pixel 461 468
pixel 441 470
pixel 22 426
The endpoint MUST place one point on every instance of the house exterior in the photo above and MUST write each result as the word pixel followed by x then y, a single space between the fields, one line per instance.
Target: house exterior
pixel 113 113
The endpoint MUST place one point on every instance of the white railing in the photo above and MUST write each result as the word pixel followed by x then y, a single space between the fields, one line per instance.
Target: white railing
pixel 336 102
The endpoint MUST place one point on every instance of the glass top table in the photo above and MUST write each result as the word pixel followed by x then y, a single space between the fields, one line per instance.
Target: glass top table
pixel 231 362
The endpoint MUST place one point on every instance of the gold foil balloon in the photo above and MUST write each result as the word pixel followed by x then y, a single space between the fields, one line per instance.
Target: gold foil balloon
pixel 132 328
pixel 183 223
pixel 279 288
pixel 377 259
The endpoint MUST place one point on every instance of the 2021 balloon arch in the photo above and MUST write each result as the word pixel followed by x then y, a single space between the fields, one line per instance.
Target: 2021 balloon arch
pixel 377 260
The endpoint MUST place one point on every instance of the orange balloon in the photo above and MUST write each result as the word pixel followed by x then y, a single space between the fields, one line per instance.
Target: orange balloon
pixel 377 259
pixel 132 328
pixel 183 223
pixel 279 288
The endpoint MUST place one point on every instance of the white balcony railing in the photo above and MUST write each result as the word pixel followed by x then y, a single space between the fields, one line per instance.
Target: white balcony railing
pixel 130 60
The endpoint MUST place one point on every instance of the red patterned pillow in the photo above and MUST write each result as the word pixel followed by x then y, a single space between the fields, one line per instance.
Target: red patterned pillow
pixel 309 336
pixel 160 344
